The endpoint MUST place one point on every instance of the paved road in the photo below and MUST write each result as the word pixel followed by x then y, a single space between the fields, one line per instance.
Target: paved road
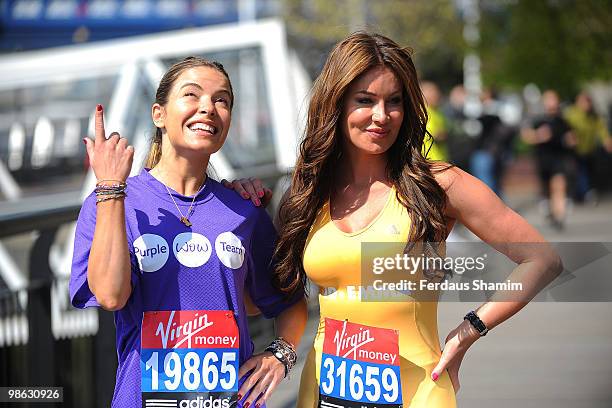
pixel 550 355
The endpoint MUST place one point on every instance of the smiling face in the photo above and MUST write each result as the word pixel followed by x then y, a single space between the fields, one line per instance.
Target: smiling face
pixel 373 112
pixel 197 116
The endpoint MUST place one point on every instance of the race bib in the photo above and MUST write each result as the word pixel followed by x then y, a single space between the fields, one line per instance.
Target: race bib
pixel 189 358
pixel 359 367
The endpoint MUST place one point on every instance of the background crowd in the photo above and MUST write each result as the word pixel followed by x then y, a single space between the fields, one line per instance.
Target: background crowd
pixel 568 143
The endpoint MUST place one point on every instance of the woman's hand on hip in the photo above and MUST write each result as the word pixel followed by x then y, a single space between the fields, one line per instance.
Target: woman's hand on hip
pixel 456 345
pixel 110 159
pixel 267 373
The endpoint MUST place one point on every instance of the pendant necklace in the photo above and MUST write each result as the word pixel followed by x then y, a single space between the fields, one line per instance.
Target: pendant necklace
pixel 185 218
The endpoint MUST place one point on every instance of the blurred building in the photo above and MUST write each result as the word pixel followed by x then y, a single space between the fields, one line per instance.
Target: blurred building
pixel 34 24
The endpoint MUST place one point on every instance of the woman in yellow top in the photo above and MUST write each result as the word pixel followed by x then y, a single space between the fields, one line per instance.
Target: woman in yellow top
pixel 361 177
pixel 590 129
pixel 591 132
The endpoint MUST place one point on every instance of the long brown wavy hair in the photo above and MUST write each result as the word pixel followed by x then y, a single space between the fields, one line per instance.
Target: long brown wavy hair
pixel 320 150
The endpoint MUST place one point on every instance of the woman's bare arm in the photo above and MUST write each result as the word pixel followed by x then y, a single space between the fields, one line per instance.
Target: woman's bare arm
pixel 473 204
pixel 109 268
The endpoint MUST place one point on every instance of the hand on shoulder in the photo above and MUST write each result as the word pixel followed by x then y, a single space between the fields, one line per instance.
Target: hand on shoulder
pixel 251 188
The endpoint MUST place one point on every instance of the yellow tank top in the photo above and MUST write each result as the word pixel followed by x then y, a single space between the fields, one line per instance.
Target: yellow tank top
pixel 332 260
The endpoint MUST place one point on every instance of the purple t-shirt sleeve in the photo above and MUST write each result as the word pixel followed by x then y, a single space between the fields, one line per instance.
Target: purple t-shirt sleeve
pixel 80 294
pixel 266 297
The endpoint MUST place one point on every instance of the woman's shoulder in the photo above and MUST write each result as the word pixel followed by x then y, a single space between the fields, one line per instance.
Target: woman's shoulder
pixel 235 203
pixel 447 175
pixel 467 197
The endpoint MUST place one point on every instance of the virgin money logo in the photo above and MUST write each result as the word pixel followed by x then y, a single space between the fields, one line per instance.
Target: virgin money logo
pixel 182 332
pixel 349 344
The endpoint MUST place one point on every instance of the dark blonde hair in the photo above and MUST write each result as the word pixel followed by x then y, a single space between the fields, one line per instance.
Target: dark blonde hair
pixel 164 88
pixel 409 171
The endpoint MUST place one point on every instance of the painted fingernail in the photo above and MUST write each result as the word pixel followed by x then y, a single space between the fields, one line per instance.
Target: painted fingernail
pixel 260 193
pixel 257 202
pixel 434 376
pixel 239 396
pixel 257 405
pixel 245 195
pixel 84 141
pixel 246 405
pixel 99 108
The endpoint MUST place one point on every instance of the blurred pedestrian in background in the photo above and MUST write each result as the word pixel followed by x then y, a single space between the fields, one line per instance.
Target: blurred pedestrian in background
pixel 591 136
pixel 436 123
pixel 554 142
pixel 459 144
pixel 492 145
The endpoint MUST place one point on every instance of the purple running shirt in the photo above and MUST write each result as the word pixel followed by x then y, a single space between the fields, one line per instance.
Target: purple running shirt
pixel 208 266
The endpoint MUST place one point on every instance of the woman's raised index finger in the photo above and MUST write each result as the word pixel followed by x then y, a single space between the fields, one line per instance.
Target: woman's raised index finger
pixel 100 135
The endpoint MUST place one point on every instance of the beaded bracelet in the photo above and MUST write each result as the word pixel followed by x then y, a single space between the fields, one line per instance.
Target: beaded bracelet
pixel 106 192
pixel 110 197
pixel 117 183
pixel 109 192
pixel 113 187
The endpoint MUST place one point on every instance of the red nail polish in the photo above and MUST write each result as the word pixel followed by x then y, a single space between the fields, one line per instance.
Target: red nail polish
pixel 434 376
pixel 84 141
pixel 245 195
pixel 257 202
pixel 239 396
pixel 257 405
pixel 246 405
pixel 260 193
pixel 99 108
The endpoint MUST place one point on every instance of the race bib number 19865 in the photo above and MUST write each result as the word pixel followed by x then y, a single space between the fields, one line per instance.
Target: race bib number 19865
pixel 189 358
pixel 359 367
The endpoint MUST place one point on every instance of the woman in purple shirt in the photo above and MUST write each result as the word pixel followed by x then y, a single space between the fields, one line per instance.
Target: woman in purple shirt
pixel 175 255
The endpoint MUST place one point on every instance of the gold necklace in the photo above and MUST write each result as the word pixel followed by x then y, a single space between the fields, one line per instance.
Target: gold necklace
pixel 185 218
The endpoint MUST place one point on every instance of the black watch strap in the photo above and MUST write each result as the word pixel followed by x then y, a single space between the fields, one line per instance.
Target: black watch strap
pixel 478 324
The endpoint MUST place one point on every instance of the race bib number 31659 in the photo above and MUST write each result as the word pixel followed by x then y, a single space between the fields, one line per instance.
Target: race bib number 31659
pixel 359 367
pixel 189 357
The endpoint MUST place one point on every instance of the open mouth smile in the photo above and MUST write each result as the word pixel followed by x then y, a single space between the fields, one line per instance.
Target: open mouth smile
pixel 201 128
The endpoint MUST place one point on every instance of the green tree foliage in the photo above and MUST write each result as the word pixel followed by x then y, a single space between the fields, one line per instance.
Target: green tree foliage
pixel 557 44
pixel 431 28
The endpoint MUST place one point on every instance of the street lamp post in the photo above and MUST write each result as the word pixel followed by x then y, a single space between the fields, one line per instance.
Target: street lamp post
pixel 471 66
